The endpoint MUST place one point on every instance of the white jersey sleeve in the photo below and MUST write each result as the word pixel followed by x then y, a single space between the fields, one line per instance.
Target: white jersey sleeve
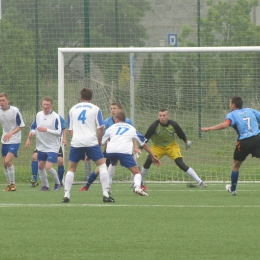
pixel 11 119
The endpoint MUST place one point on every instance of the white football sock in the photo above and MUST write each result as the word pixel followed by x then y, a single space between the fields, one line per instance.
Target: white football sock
pixel 54 175
pixel 68 183
pixel 43 177
pixel 103 176
pixel 137 180
pixel 144 172
pixel 7 176
pixel 11 174
pixel 111 171
pixel 193 175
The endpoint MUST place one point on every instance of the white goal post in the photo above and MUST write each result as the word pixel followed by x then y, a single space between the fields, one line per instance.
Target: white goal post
pixel 201 79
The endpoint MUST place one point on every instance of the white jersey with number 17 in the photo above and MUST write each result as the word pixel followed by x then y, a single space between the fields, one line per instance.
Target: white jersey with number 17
pixel 121 137
pixel 84 120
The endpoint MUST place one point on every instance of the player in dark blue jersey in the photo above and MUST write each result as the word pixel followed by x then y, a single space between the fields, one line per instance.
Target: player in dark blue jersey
pixel 115 108
pixel 246 123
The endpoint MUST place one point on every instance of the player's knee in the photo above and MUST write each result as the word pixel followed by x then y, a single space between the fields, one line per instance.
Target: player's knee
pixel 179 162
pixel 96 171
pixel 135 170
pixel 60 161
pixel 7 164
pixel 102 168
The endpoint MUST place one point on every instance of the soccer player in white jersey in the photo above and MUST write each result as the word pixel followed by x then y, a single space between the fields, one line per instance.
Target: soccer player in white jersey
pixel 115 107
pixel 34 162
pixel 85 124
pixel 47 128
pixel 120 148
pixel 246 123
pixel 12 123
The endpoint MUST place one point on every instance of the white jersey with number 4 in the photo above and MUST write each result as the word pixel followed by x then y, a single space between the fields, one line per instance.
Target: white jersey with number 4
pixel 84 120
pixel 121 137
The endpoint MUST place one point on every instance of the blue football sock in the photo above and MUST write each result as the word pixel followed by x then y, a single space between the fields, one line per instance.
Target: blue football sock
pixel 92 177
pixel 61 172
pixel 34 166
pixel 234 178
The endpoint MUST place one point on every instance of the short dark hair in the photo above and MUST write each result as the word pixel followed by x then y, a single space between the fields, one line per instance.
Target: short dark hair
pixel 86 94
pixel 120 116
pixel 238 101
pixel 117 104
pixel 163 110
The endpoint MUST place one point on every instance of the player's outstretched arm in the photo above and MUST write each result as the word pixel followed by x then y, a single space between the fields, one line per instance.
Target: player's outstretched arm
pixel 220 126
pixel 155 160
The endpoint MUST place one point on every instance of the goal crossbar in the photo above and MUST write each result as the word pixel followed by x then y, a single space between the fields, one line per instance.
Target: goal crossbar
pixel 62 51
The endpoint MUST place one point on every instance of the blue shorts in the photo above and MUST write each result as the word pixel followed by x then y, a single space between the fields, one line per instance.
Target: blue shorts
pixel 10 148
pixel 126 160
pixel 79 153
pixel 50 157
pixel 60 153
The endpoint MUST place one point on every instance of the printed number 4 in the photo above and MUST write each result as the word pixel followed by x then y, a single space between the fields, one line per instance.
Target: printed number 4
pixel 82 116
pixel 248 122
pixel 121 130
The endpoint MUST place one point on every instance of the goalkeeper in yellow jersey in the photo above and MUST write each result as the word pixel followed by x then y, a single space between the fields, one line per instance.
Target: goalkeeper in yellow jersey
pixel 163 133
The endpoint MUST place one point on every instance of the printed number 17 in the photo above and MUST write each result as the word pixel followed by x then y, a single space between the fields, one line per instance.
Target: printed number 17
pixel 121 130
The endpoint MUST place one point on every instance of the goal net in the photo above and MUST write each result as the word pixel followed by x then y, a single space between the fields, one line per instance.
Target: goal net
pixel 195 84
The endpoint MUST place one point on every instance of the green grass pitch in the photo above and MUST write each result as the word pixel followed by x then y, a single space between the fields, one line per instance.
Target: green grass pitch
pixel 173 222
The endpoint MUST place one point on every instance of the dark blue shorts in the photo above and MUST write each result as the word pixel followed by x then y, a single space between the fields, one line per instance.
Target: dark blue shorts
pixel 60 153
pixel 126 160
pixel 10 148
pixel 79 153
pixel 50 157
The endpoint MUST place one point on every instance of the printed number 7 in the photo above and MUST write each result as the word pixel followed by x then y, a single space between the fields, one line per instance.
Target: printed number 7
pixel 82 116
pixel 121 130
pixel 248 122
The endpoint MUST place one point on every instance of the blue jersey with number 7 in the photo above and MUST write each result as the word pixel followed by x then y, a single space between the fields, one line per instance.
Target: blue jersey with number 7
pixel 245 121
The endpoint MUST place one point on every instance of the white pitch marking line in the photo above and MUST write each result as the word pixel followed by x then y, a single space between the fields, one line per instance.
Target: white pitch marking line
pixel 2 205
pixel 123 190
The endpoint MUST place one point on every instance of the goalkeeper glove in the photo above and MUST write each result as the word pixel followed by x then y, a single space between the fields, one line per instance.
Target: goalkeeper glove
pixel 188 144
